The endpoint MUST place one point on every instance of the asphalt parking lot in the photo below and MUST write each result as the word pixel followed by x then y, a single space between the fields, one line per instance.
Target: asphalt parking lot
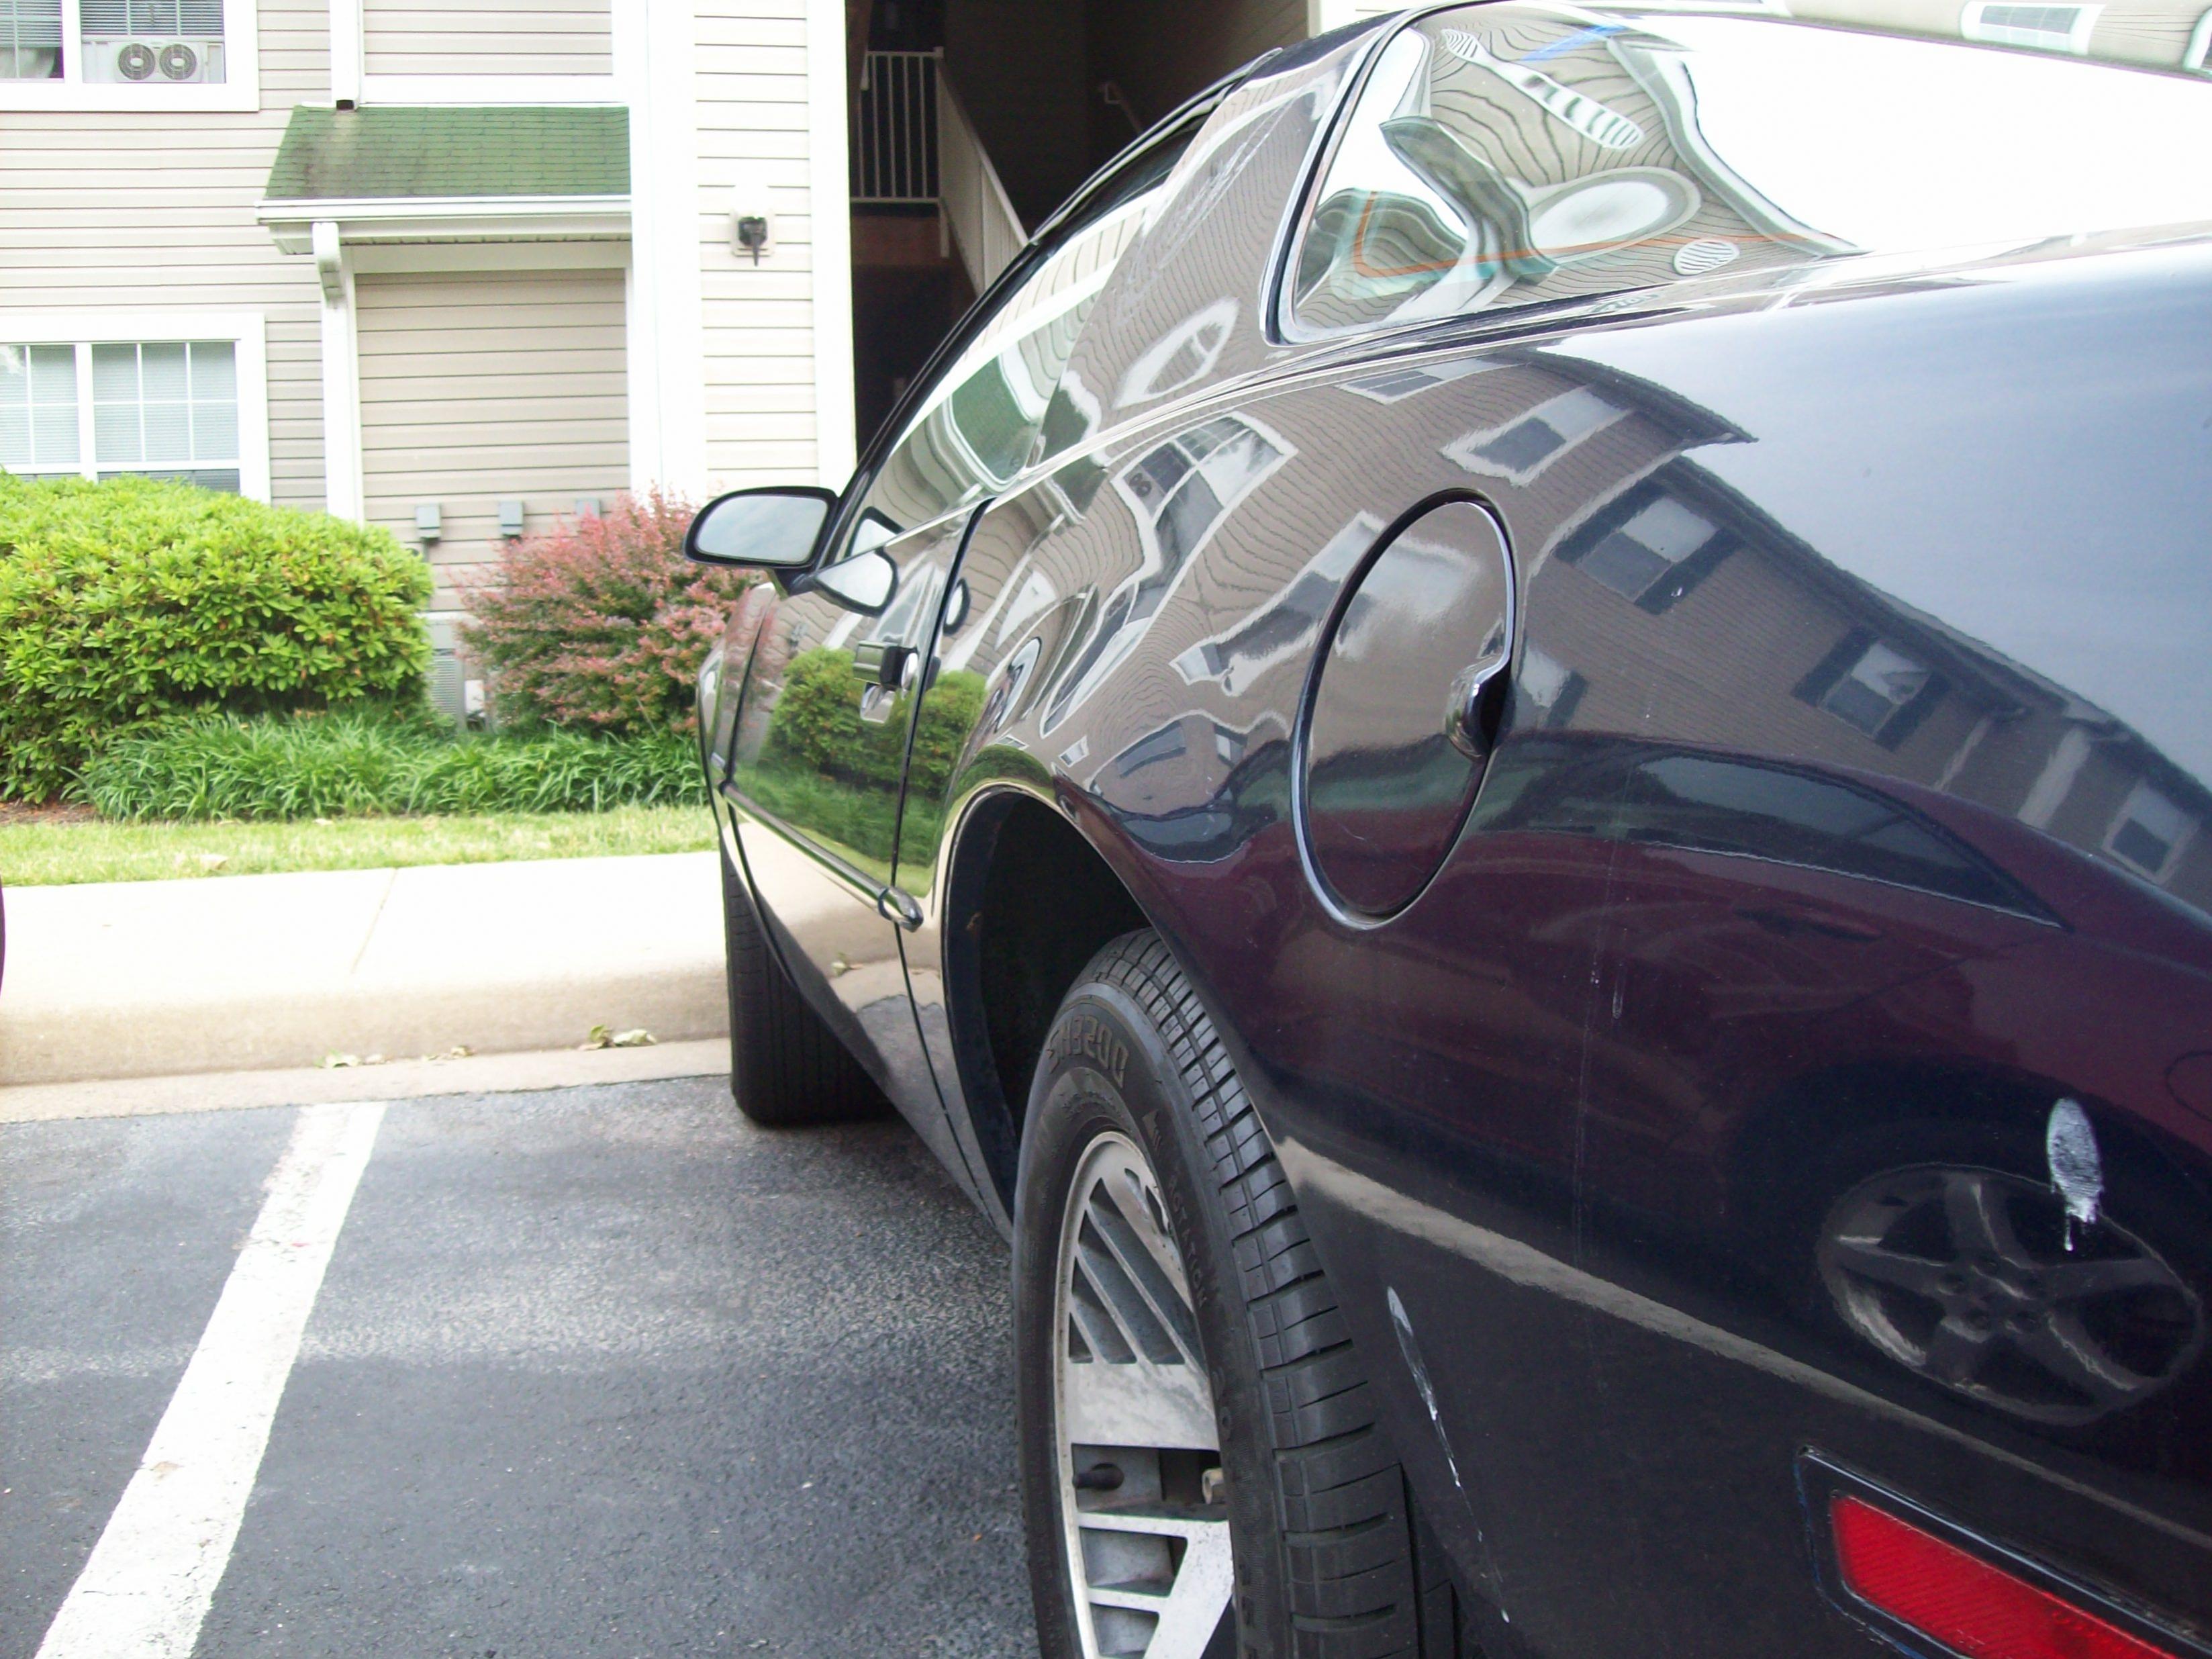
pixel 597 1371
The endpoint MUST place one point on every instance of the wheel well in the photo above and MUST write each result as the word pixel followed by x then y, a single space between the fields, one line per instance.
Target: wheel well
pixel 1028 904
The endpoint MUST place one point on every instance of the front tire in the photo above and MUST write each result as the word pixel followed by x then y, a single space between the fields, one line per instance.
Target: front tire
pixel 787 1069
pixel 1203 1474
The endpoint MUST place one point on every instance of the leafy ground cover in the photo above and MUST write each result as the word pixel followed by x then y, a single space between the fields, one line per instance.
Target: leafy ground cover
pixel 49 848
pixel 335 765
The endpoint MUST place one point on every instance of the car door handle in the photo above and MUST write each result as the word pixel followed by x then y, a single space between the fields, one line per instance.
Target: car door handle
pixel 889 665
pixel 893 905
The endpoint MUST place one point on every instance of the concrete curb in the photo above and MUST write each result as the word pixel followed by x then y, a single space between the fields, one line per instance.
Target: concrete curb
pixel 159 979
pixel 408 1079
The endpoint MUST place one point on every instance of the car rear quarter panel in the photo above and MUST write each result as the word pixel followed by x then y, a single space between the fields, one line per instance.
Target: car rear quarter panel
pixel 1581 1107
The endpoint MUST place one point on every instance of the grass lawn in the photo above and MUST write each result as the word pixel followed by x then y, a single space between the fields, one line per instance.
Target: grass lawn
pixel 48 849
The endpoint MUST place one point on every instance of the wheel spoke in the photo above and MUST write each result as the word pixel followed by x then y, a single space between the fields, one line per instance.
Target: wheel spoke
pixel 1102 1334
pixel 2063 1347
pixel 1194 1606
pixel 1188 1601
pixel 1137 1256
pixel 1865 1258
pixel 1974 1204
pixel 1123 1298
pixel 2075 1281
pixel 1138 1403
pixel 1956 1351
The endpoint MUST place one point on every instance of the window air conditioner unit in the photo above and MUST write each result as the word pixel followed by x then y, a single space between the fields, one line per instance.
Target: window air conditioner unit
pixel 153 62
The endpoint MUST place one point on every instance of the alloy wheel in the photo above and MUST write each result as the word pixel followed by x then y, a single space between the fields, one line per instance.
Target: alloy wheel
pixel 1139 1459
pixel 1982 1282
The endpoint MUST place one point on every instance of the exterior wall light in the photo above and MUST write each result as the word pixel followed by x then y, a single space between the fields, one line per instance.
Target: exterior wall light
pixel 752 216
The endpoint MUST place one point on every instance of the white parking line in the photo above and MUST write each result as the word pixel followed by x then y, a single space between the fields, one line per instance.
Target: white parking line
pixel 151 1577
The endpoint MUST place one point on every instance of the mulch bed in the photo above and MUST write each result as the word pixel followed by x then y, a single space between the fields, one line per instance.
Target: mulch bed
pixel 53 811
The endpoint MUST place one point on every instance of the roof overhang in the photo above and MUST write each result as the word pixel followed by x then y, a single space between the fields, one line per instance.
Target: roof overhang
pixel 364 220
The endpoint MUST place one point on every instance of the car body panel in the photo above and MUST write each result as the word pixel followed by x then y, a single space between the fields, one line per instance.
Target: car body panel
pixel 1842 821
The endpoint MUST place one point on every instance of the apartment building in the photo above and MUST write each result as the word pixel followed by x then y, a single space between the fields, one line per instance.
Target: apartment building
pixel 462 268
pixel 455 269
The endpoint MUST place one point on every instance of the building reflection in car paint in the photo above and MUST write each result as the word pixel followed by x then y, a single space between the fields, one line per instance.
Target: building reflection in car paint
pixel 1736 932
pixel 1799 892
pixel 1591 175
pixel 1178 490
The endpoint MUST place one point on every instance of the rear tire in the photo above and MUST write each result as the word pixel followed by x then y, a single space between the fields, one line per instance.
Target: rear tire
pixel 1135 1108
pixel 787 1067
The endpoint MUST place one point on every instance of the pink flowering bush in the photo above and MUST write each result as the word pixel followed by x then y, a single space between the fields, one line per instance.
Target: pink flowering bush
pixel 600 625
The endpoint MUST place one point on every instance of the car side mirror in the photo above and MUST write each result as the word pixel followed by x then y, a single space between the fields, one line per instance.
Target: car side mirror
pixel 772 529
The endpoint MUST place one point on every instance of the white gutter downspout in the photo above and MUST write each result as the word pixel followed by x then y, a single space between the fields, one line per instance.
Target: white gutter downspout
pixel 830 208
pixel 346 53
pixel 342 492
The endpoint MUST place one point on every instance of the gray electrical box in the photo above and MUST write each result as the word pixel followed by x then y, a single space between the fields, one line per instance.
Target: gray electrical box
pixel 448 687
pixel 510 519
pixel 429 524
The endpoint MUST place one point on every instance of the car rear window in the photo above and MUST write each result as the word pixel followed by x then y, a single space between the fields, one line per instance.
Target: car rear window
pixel 1507 154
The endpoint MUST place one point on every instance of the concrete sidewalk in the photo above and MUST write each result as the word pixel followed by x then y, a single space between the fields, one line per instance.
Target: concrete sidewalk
pixel 239 973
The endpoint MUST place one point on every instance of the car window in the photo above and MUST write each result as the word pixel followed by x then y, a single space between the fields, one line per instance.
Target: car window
pixel 1507 154
pixel 978 425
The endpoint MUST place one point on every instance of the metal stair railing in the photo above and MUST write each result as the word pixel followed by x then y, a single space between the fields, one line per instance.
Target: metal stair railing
pixel 913 144
pixel 982 219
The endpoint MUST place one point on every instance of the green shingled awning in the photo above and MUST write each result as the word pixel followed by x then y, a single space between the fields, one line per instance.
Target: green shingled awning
pixel 390 151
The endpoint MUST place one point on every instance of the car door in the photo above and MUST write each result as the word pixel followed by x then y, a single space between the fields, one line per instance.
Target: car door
pixel 827 716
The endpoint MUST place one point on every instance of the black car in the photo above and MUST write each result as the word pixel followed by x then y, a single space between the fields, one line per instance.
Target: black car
pixel 1511 754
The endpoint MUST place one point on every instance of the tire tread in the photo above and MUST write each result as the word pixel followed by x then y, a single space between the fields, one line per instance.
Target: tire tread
pixel 1358 1587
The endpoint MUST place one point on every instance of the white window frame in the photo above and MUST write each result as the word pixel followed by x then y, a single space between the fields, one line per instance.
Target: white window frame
pixel 1466 451
pixel 240 90
pixel 1850 675
pixel 244 329
pixel 2126 813
pixel 1973 27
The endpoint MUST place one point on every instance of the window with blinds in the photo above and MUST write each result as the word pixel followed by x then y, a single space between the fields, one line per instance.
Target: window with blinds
pixel 170 410
pixel 118 42
pixel 38 423
pixel 166 409
pixel 30 39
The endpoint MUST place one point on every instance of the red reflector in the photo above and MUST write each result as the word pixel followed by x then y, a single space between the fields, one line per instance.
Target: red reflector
pixel 1961 1600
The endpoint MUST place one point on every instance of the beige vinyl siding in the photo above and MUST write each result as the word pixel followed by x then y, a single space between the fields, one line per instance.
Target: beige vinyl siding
pixel 483 387
pixel 155 212
pixel 295 53
pixel 488 37
pixel 749 75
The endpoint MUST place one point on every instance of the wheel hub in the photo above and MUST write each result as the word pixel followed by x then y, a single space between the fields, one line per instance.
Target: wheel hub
pixel 1980 1281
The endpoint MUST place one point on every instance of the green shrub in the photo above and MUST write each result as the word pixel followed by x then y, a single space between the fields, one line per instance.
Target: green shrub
pixel 123 602
pixel 221 766
pixel 817 724
pixel 948 714
pixel 601 625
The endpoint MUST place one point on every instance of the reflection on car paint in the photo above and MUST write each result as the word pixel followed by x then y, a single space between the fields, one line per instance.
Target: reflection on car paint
pixel 1844 827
